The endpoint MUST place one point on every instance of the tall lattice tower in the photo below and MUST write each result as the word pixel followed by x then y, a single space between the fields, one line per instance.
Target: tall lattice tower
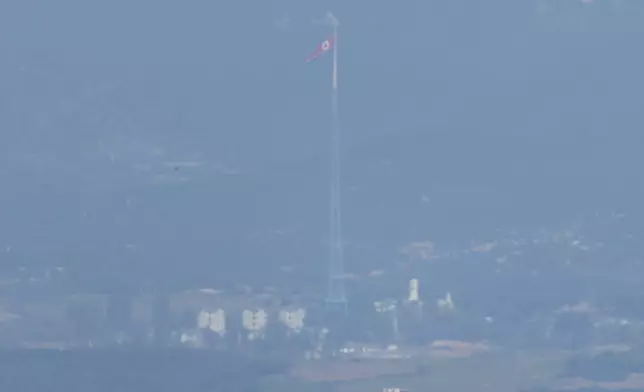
pixel 336 296
pixel 336 299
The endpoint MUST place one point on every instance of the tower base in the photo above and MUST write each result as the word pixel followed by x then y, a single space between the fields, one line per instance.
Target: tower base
pixel 336 305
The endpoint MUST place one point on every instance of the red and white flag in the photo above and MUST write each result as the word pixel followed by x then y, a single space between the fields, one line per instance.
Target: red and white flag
pixel 324 47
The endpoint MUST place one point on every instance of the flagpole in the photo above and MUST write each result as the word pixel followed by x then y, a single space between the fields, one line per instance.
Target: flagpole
pixel 335 58
pixel 334 76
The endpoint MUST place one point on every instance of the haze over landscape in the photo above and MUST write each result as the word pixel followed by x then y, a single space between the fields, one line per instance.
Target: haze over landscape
pixel 177 145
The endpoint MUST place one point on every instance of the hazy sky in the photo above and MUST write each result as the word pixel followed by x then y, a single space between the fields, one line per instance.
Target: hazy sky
pixel 189 73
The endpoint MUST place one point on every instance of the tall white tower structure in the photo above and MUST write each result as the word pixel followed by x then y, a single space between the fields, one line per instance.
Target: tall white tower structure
pixel 413 303
pixel 413 291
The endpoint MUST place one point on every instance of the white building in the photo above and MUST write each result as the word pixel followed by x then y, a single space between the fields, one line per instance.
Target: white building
pixel 293 319
pixel 255 323
pixel 215 321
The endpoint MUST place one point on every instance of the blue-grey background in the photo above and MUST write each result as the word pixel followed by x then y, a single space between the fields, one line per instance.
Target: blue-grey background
pixel 183 144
